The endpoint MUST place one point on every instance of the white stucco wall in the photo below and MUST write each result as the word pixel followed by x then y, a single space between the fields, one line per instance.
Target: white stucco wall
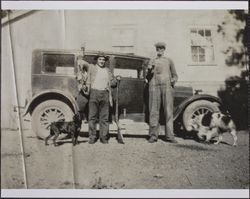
pixel 38 30
pixel 8 86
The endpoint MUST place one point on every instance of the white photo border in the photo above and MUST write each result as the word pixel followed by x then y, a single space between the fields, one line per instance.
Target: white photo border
pixel 124 5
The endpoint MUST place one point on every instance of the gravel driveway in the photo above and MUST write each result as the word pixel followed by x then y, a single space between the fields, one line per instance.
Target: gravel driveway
pixel 134 165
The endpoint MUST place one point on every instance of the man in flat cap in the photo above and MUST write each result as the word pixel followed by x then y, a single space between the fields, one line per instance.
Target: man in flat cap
pixel 162 77
pixel 99 83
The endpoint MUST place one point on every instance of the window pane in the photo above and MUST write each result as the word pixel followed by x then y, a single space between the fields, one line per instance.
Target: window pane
pixel 193 31
pixel 208 33
pixel 201 32
pixel 194 49
pixel 90 59
pixel 195 58
pixel 201 50
pixel 128 67
pixel 202 58
pixel 54 61
pixel 210 54
pixel 128 63
pixel 126 73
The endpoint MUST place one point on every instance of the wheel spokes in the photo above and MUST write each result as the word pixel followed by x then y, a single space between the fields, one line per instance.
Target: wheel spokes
pixel 199 112
pixel 50 115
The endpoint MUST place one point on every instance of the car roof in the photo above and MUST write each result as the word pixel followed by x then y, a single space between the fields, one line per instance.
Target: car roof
pixel 91 52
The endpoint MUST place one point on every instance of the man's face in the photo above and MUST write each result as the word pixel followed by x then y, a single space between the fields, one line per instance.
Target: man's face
pixel 160 51
pixel 101 61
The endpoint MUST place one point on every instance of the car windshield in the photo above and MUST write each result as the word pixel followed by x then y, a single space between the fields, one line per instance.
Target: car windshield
pixel 128 67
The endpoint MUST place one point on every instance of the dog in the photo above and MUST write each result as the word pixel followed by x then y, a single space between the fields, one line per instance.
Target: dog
pixel 71 128
pixel 214 124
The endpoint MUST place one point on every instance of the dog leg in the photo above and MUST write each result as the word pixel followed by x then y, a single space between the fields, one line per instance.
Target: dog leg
pixel 219 139
pixel 209 136
pixel 50 135
pixel 54 139
pixel 73 140
pixel 76 136
pixel 47 138
pixel 233 133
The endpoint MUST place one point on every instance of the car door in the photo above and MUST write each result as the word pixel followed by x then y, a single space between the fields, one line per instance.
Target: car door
pixel 57 72
pixel 131 88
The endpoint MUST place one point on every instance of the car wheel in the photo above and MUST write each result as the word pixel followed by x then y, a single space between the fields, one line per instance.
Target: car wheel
pixel 196 109
pixel 46 113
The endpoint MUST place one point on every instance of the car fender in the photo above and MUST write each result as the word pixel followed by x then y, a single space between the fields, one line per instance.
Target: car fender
pixel 51 94
pixel 197 97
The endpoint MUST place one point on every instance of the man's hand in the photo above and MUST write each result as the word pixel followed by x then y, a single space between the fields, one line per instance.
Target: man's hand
pixel 118 78
pixel 173 81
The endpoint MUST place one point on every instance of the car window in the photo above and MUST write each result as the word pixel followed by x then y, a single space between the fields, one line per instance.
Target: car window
pixel 90 59
pixel 128 67
pixel 59 63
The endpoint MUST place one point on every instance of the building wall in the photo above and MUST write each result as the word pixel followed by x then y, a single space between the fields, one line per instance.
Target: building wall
pixel 94 28
pixel 38 30
pixel 70 29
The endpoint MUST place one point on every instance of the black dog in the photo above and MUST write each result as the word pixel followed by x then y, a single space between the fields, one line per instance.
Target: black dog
pixel 72 128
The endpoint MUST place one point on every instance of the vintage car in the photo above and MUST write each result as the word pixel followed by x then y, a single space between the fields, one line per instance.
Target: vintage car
pixel 54 89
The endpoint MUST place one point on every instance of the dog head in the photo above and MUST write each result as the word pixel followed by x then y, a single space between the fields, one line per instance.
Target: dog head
pixel 224 121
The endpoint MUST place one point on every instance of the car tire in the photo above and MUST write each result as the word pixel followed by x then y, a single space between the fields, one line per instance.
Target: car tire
pixel 195 109
pixel 46 113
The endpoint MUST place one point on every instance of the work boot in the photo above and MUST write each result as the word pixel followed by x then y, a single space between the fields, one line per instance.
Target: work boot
pixel 152 139
pixel 171 140
pixel 92 140
pixel 104 141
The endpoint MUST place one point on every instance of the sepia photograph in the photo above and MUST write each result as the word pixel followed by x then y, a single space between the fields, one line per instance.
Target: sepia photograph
pixel 124 99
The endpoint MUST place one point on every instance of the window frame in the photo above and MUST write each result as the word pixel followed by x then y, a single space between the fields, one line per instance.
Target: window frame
pixel 118 46
pixel 204 28
pixel 141 68
pixel 43 71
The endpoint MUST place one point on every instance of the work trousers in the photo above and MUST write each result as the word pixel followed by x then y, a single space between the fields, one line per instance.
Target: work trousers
pixel 99 108
pixel 161 94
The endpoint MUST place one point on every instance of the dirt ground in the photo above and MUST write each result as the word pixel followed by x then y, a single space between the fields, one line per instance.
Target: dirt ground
pixel 135 165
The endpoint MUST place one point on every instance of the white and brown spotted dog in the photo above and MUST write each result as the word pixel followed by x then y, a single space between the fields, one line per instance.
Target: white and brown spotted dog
pixel 210 125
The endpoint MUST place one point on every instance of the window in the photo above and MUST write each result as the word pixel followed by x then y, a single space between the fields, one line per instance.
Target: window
pixel 123 39
pixel 132 68
pixel 202 47
pixel 59 63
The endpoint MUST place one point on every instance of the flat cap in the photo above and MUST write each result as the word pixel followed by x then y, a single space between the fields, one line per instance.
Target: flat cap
pixel 160 45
